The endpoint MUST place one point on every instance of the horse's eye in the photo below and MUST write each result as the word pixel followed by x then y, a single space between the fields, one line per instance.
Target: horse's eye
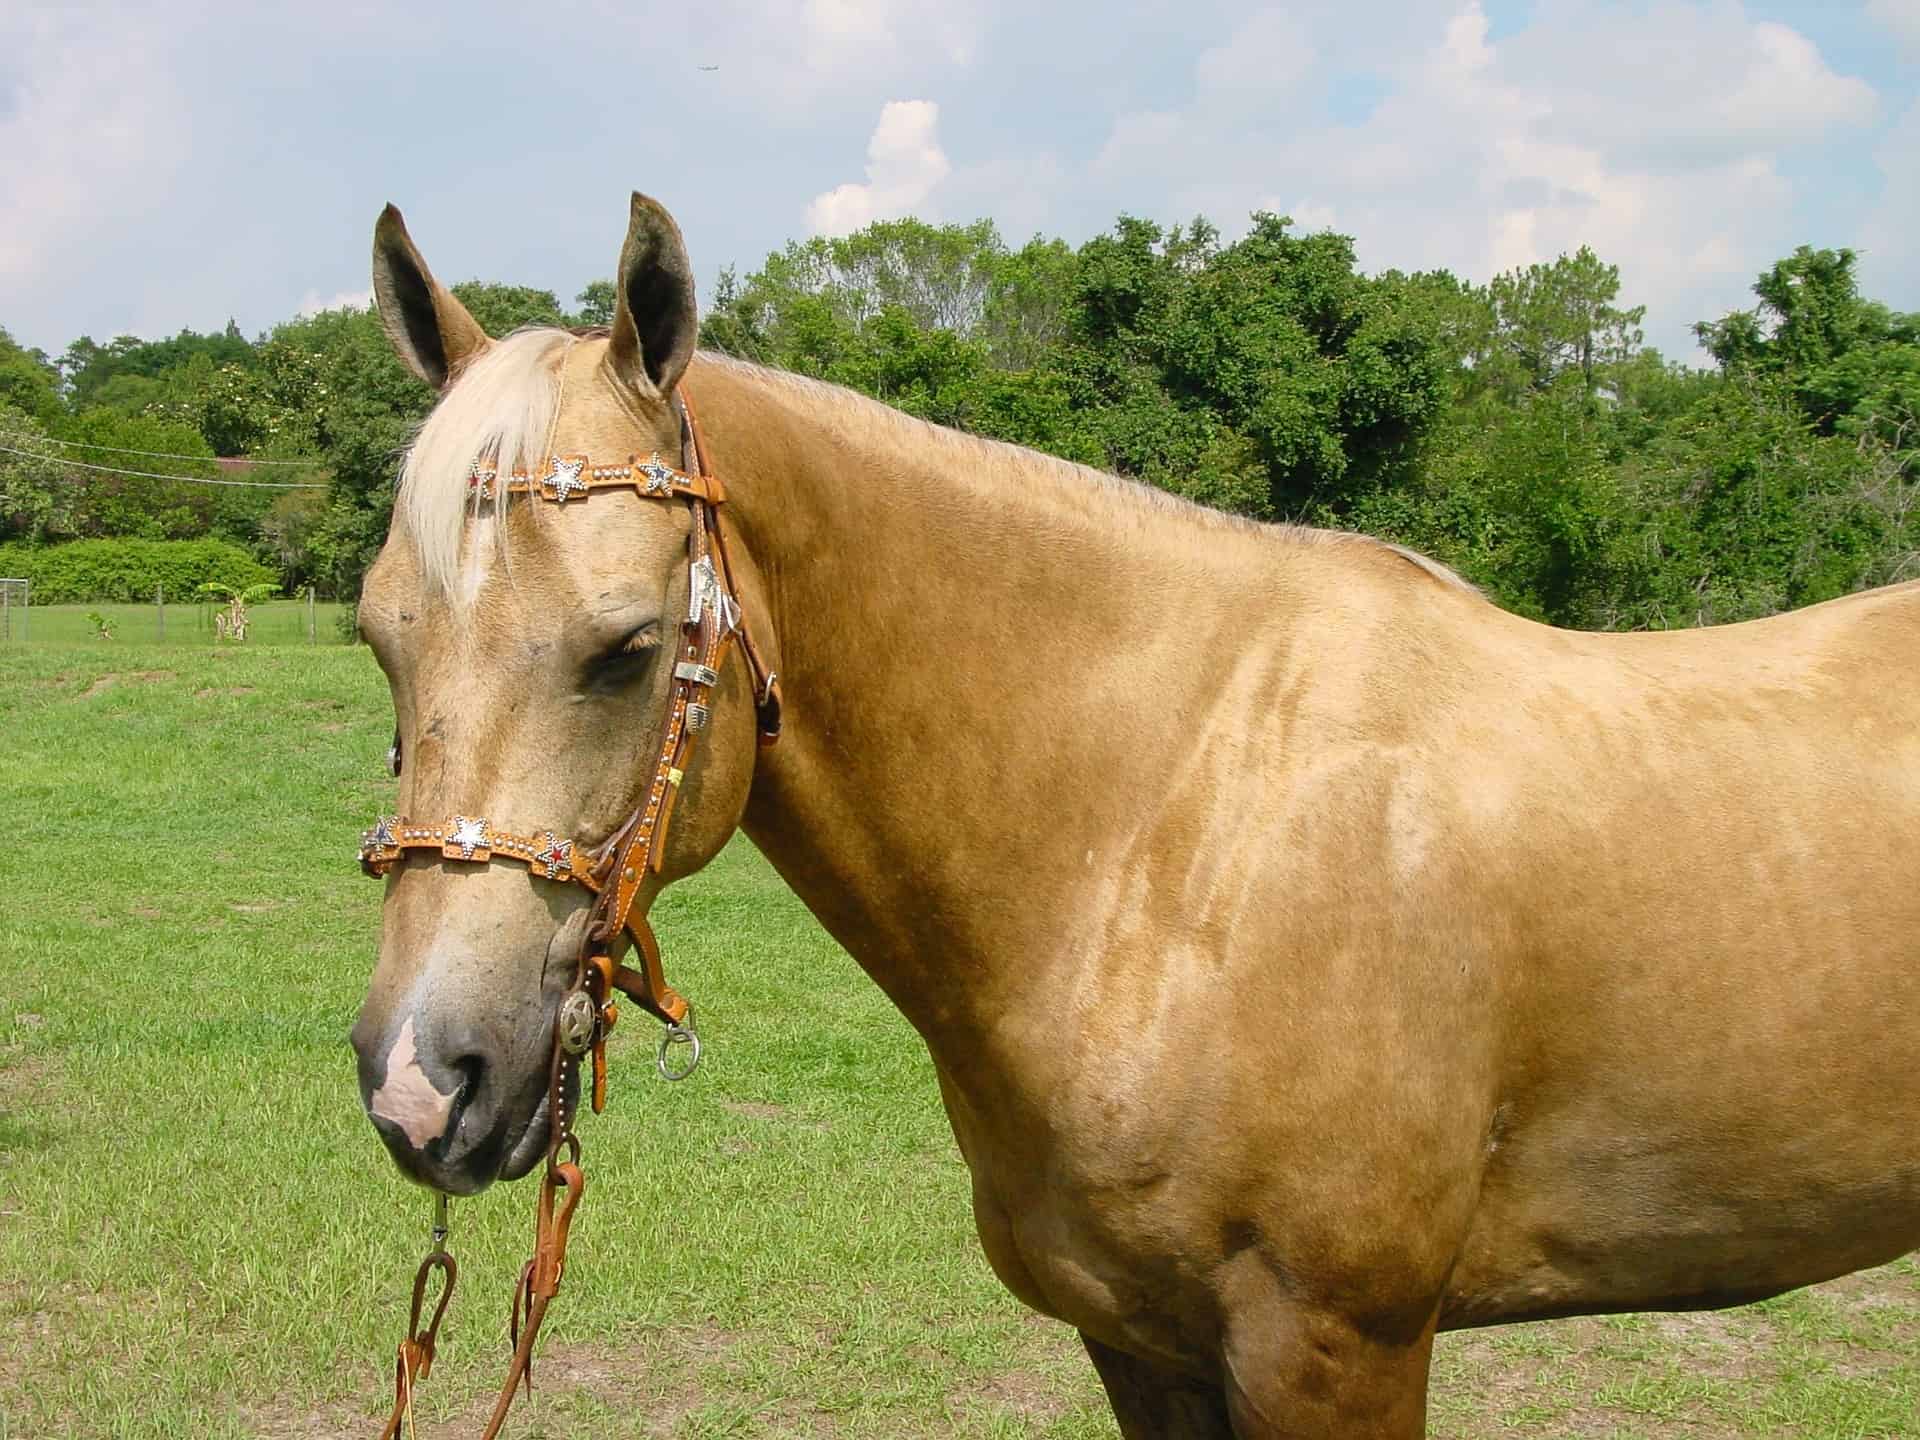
pixel 627 661
pixel 393 755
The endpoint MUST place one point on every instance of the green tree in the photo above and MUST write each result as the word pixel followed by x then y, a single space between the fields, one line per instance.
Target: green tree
pixel 136 504
pixel 596 304
pixel 37 491
pixel 1552 320
pixel 29 384
pixel 1847 359
pixel 100 374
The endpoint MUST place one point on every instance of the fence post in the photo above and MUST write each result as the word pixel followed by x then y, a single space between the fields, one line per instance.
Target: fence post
pixel 160 607
pixel 313 636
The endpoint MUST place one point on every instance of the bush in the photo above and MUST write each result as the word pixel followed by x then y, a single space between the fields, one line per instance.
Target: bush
pixel 128 570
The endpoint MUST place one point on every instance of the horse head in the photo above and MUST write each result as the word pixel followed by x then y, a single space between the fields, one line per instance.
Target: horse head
pixel 539 613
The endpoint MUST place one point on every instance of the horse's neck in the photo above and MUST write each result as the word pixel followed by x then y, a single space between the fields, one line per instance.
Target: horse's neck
pixel 994 678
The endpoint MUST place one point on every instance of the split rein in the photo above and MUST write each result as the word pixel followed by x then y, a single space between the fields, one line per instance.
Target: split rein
pixel 614 873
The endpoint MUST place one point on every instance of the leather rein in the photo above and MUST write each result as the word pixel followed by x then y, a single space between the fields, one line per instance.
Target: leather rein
pixel 613 872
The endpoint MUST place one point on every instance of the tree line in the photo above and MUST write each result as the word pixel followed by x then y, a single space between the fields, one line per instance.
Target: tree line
pixel 1519 430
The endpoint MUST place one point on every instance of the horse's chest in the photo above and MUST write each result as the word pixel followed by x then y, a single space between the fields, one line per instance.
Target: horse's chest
pixel 1078 1239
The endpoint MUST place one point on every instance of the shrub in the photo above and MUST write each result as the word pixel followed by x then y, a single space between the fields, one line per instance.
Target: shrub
pixel 128 570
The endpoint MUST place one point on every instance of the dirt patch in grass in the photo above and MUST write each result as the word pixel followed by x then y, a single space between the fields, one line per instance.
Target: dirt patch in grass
pixel 1016 1392
pixel 658 1381
pixel 277 1422
pixel 132 677
pixel 1696 1375
pixel 756 1109
pixel 24 1339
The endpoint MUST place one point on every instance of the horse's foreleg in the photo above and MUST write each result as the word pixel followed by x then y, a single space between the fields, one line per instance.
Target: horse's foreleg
pixel 1152 1403
pixel 1297 1374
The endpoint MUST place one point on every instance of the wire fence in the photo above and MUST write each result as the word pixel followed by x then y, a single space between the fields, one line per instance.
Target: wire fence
pixel 16 596
pixel 72 464
pixel 173 622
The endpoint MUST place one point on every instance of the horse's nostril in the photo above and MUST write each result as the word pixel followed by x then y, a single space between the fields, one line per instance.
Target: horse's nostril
pixel 472 1070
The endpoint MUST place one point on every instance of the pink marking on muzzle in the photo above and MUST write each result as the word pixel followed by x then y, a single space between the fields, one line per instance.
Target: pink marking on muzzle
pixel 407 1097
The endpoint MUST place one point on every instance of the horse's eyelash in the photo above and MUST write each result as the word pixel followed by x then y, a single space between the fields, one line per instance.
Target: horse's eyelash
pixel 646 638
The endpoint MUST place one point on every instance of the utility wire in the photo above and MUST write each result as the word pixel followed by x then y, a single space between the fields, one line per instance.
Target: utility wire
pixel 150 475
pixel 163 454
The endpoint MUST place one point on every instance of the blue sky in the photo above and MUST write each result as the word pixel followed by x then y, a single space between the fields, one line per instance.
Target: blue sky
pixel 176 165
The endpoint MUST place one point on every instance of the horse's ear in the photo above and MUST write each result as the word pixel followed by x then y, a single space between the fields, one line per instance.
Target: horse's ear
pixel 655 322
pixel 429 329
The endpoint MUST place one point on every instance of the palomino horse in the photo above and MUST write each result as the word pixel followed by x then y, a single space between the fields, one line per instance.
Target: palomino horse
pixel 1313 955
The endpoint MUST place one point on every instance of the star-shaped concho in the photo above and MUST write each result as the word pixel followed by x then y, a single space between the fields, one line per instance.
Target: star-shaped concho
pixel 375 843
pixel 565 480
pixel 557 856
pixel 660 475
pixel 467 836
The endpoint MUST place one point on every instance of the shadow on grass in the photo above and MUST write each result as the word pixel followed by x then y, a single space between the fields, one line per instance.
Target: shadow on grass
pixel 19 1134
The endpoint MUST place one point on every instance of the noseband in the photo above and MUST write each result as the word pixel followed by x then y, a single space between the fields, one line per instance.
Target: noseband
pixel 612 872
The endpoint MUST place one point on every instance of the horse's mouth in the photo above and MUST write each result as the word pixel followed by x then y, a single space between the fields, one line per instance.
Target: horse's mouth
pixel 530 1146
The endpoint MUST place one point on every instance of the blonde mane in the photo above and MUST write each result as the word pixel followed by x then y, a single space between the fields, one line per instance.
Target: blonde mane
pixel 505 405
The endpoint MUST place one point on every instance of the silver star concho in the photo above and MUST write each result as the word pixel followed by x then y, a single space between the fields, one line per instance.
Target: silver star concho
pixel 565 482
pixel 468 838
pixel 557 856
pixel 377 844
pixel 660 476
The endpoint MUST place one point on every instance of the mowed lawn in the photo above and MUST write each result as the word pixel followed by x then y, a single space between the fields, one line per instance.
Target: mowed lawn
pixel 200 1236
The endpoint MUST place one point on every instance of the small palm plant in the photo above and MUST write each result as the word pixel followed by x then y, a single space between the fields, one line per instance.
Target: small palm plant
pixel 102 625
pixel 230 620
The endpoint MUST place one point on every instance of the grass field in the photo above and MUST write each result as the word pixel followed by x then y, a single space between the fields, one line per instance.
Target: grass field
pixel 273 622
pixel 200 1235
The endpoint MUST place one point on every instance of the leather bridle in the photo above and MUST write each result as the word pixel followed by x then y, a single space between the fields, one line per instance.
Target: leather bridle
pixel 613 871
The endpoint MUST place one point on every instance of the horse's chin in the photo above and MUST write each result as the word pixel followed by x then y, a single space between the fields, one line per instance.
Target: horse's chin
pixel 531 1147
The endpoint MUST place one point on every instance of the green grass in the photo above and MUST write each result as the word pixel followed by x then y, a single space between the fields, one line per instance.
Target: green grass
pixel 273 622
pixel 200 1235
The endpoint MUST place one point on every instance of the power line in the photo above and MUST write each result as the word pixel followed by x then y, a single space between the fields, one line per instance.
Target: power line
pixel 150 475
pixel 162 454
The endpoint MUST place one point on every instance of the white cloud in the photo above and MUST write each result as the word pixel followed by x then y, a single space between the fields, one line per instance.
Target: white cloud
pixel 1902 17
pixel 844 31
pixel 826 50
pixel 1890 242
pixel 314 303
pixel 1653 136
pixel 77 158
pixel 1267 55
pixel 904 164
pixel 1309 216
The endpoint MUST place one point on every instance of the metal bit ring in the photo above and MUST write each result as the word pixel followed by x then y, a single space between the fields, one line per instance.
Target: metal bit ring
pixel 675 1037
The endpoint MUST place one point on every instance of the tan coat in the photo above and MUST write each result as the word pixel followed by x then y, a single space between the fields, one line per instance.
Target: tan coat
pixel 1313 954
